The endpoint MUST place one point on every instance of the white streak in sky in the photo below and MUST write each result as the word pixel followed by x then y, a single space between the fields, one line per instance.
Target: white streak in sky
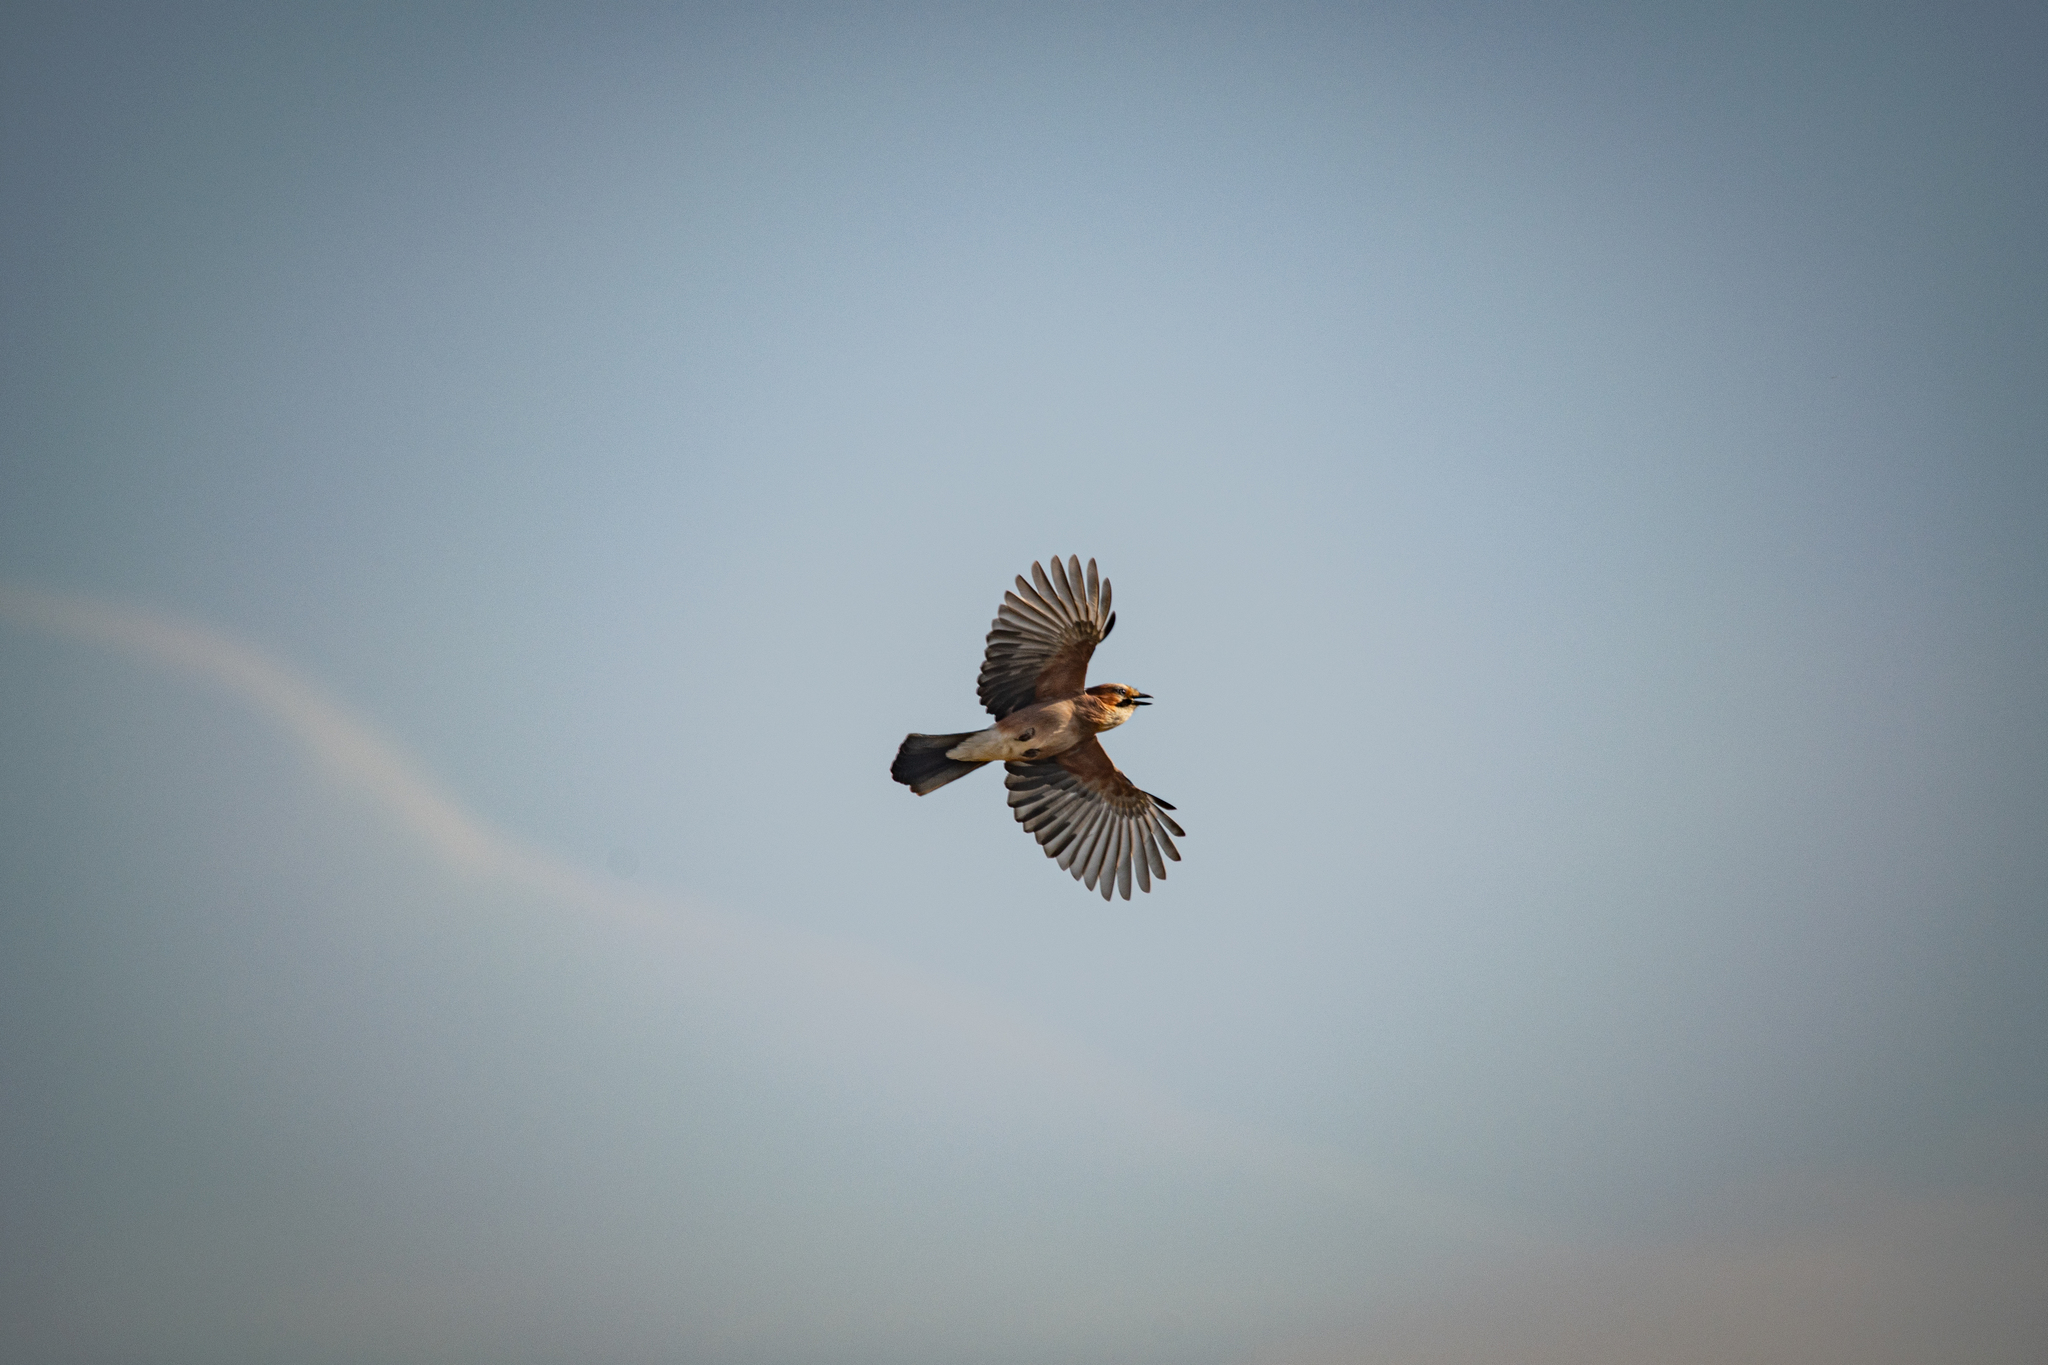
pixel 348 749
pixel 836 1002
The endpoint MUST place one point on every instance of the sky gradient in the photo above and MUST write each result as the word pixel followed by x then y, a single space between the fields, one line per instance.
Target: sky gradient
pixel 484 490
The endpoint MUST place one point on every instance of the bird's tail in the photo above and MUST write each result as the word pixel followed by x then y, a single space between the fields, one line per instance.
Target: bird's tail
pixel 921 764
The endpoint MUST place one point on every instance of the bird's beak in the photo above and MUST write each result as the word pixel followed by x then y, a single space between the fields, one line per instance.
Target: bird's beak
pixel 1141 698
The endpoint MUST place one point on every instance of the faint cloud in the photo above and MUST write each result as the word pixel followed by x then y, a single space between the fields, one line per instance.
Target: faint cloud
pixel 920 1046
pixel 1865 1277
pixel 349 750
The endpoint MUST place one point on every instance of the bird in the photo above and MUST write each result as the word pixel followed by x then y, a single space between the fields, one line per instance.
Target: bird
pixel 1063 788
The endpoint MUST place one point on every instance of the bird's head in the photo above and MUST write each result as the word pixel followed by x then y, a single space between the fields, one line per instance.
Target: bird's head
pixel 1121 702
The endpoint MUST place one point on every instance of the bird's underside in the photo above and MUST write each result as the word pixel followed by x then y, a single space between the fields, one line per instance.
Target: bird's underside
pixel 1062 786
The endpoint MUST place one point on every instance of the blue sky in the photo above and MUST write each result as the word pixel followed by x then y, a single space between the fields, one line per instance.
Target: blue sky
pixel 483 491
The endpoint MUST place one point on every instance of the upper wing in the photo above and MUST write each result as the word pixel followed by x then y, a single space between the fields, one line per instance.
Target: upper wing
pixel 1093 819
pixel 1039 644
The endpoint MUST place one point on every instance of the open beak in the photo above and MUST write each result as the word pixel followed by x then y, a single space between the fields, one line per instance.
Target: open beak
pixel 1141 698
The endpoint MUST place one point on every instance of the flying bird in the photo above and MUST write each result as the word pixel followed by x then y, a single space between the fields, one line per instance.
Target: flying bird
pixel 1063 788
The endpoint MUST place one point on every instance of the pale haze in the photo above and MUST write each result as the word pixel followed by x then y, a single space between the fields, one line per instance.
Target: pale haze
pixel 484 490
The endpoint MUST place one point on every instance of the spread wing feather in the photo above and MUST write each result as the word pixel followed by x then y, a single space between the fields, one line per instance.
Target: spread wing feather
pixel 1043 636
pixel 1093 819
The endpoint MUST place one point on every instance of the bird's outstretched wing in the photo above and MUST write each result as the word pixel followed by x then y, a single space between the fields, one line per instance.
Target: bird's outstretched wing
pixel 1039 645
pixel 1093 819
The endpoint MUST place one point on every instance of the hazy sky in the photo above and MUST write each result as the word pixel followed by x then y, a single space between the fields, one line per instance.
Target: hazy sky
pixel 484 490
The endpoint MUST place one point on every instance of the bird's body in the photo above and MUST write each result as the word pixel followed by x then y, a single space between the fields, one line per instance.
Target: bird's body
pixel 1047 729
pixel 1063 788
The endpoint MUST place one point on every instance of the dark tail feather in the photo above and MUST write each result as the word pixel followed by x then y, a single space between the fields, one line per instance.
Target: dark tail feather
pixel 921 764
